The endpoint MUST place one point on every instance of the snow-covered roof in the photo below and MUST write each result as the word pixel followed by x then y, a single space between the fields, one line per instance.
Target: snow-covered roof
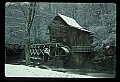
pixel 71 22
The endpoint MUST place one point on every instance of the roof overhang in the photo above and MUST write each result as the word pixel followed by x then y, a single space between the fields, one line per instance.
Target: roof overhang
pixel 72 23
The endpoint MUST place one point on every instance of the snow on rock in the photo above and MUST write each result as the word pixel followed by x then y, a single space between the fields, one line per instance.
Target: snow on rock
pixel 25 71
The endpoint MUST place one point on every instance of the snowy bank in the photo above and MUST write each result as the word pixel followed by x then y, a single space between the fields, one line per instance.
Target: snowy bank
pixel 25 71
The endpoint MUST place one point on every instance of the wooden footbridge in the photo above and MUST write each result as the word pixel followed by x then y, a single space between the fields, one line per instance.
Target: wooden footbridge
pixel 48 51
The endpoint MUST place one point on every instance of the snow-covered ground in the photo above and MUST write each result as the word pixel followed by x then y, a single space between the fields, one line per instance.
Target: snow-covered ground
pixel 25 71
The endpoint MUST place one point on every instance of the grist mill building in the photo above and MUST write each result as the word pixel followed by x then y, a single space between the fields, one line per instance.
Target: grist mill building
pixel 67 31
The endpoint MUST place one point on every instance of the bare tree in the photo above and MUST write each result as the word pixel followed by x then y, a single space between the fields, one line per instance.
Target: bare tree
pixel 31 15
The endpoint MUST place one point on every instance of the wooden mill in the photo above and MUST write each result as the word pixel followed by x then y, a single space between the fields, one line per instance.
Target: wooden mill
pixel 69 46
pixel 67 31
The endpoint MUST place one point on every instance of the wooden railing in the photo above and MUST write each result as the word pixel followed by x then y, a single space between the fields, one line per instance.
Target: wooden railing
pixel 81 49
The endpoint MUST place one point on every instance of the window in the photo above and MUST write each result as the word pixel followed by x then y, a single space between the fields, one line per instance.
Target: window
pixel 53 40
pixel 64 40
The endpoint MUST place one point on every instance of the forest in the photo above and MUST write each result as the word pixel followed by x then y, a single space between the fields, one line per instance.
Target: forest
pixel 99 18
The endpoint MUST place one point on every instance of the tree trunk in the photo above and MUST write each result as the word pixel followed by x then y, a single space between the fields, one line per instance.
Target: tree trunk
pixel 27 48
pixel 30 21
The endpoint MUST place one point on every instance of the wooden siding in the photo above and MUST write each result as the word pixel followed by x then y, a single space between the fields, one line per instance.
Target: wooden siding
pixel 81 49
pixel 79 38
pixel 67 35
pixel 73 38
pixel 59 31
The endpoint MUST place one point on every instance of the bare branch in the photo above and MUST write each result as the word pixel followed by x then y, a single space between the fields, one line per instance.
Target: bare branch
pixel 23 12
pixel 8 6
pixel 33 15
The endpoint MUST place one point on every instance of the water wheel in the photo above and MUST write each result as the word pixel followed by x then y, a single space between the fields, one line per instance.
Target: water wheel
pixel 63 54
